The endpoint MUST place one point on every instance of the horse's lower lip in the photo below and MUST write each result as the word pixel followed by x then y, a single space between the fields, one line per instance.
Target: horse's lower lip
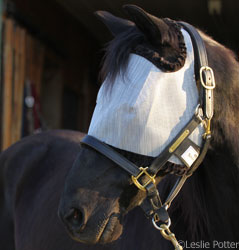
pixel 105 235
pixel 109 229
pixel 105 232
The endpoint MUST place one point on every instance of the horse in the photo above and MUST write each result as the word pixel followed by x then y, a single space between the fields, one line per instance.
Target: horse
pixel 57 193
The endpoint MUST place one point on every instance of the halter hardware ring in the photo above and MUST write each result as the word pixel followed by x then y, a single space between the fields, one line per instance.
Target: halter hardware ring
pixel 199 113
pixel 212 80
pixel 138 184
pixel 162 227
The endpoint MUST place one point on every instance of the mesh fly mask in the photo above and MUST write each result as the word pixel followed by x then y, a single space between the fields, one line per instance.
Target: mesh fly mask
pixel 146 107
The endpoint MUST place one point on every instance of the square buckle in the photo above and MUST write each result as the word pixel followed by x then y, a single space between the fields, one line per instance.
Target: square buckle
pixel 209 83
pixel 143 172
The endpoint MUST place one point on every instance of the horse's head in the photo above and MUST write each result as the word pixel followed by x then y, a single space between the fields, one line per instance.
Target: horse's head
pixel 98 193
pixel 97 196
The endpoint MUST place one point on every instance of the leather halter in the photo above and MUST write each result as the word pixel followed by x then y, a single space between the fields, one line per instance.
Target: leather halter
pixel 186 150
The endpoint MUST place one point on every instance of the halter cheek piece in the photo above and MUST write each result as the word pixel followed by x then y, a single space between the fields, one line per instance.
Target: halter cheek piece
pixel 182 147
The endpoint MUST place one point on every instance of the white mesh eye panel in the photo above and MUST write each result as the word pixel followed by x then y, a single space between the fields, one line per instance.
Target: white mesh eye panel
pixel 147 108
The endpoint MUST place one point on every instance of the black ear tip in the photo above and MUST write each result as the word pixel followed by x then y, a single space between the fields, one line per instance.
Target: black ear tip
pixel 125 6
pixel 99 13
pixel 132 7
pixel 134 11
pixel 116 25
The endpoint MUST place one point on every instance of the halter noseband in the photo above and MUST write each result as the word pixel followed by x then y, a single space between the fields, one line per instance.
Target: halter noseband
pixel 182 147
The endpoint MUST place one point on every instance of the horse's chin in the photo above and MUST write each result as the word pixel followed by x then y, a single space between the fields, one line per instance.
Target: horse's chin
pixel 105 232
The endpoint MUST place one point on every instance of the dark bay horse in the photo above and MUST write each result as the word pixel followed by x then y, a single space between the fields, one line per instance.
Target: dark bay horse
pixel 95 199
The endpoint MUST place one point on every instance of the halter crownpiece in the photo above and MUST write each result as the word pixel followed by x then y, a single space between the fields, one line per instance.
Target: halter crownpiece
pixel 182 145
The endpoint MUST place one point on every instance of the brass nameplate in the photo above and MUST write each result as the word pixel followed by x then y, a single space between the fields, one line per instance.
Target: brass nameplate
pixel 179 141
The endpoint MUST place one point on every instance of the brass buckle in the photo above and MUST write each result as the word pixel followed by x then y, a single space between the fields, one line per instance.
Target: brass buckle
pixel 138 184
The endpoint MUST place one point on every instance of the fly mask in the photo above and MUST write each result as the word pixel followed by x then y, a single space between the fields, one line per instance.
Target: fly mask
pixel 146 107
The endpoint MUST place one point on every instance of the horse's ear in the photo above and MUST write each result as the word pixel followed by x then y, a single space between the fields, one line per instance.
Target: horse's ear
pixel 155 29
pixel 115 24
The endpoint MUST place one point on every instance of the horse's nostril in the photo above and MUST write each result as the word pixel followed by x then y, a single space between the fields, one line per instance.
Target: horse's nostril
pixel 75 218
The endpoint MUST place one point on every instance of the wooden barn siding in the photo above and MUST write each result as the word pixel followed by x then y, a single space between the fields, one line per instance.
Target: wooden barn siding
pixel 22 62
pixel 76 66
pixel 80 52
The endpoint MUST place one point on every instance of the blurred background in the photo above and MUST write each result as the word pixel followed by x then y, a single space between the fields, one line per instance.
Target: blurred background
pixel 51 52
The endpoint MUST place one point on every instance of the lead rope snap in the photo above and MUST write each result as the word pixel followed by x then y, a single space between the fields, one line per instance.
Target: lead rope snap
pixel 167 234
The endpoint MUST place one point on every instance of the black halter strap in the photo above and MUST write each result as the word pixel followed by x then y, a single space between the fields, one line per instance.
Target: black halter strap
pixel 114 156
pixel 204 74
pixel 144 178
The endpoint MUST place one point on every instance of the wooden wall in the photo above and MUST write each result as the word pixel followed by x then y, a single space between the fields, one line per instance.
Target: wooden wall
pixel 46 50
pixel 23 58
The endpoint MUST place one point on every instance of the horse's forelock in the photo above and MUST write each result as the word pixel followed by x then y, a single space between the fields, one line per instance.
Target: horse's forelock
pixel 117 54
